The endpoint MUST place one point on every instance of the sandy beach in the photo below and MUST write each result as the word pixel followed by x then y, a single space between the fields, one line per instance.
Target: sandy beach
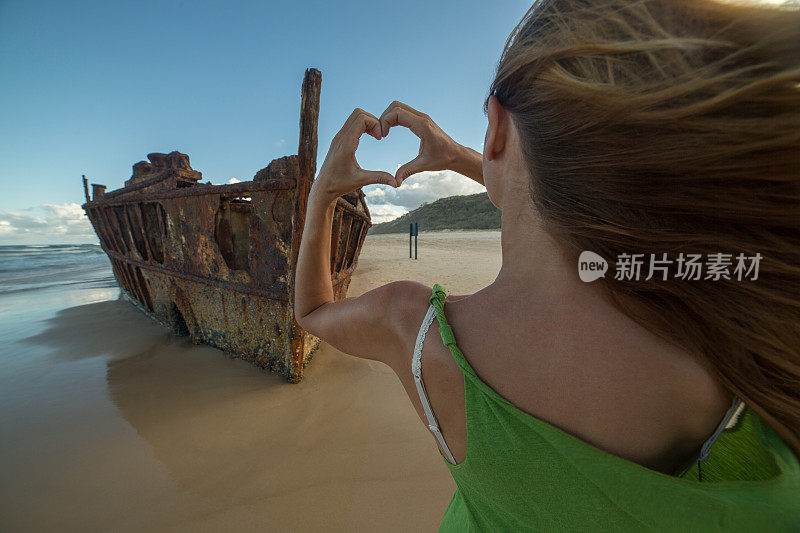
pixel 108 422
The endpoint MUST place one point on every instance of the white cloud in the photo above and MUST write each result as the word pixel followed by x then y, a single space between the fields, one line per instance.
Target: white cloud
pixel 234 180
pixel 6 228
pixel 387 203
pixel 385 212
pixel 48 223
pixel 375 193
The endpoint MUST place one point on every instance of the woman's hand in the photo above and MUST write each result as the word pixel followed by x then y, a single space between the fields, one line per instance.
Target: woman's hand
pixel 437 151
pixel 340 172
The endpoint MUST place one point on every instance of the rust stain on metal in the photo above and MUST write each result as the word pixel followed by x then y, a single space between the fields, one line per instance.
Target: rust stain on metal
pixel 217 262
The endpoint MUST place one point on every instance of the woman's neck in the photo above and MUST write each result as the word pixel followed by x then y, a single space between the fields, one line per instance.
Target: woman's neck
pixel 532 262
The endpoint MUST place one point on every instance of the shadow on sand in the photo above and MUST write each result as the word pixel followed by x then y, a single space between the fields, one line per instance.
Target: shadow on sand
pixel 199 408
pixel 230 431
pixel 112 328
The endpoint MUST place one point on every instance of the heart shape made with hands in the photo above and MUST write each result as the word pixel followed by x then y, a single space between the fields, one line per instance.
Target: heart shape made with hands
pixel 382 148
pixel 436 149
pixel 340 172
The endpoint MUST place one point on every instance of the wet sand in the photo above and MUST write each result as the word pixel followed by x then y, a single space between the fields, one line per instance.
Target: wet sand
pixel 107 422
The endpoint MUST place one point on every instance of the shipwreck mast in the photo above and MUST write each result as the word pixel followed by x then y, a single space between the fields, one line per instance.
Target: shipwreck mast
pixel 307 162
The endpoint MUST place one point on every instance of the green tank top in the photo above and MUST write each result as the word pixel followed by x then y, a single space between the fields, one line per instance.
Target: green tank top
pixel 521 473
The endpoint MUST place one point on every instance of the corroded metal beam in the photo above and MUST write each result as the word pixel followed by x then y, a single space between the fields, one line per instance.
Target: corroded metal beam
pixel 233 189
pixel 307 160
pixel 237 287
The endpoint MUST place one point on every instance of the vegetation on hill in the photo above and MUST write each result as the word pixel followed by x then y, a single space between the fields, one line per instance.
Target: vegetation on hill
pixel 474 211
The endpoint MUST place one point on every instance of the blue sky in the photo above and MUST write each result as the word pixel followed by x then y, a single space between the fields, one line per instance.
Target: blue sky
pixel 92 87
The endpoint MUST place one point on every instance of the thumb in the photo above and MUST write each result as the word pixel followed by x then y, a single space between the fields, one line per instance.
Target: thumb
pixel 368 177
pixel 412 167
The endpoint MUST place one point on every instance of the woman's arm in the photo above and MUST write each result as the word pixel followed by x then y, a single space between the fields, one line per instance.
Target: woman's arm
pixel 371 325
pixel 469 163
pixel 361 326
pixel 364 326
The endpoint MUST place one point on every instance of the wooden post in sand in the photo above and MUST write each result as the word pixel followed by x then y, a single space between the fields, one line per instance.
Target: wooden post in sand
pixel 413 231
pixel 416 234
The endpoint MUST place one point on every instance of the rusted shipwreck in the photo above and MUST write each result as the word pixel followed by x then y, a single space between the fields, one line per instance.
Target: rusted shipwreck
pixel 217 262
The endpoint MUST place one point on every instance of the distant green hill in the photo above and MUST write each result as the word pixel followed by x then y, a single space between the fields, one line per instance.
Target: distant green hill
pixel 474 211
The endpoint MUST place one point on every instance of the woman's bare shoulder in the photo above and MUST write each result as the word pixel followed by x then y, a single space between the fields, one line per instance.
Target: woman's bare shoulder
pixel 404 304
pixel 410 304
pixel 374 325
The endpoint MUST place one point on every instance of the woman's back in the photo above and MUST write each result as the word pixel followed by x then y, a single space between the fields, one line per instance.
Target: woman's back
pixel 513 459
pixel 559 351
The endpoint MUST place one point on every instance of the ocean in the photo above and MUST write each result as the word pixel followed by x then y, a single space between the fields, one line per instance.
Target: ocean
pixel 38 280
pixel 36 267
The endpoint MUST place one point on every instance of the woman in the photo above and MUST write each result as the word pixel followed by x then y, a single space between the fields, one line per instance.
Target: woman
pixel 621 128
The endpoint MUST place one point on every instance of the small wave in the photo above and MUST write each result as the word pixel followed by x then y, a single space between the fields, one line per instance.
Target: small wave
pixel 27 267
pixel 100 282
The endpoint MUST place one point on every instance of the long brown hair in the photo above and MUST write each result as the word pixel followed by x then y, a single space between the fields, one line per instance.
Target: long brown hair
pixel 673 126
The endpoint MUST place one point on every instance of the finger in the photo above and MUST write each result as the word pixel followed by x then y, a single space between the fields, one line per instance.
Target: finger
pixel 369 177
pixel 372 126
pixel 398 114
pixel 409 108
pixel 406 107
pixel 345 129
pixel 364 122
pixel 357 123
pixel 412 167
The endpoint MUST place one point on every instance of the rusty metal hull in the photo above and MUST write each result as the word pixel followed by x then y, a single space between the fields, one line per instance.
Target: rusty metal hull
pixel 217 262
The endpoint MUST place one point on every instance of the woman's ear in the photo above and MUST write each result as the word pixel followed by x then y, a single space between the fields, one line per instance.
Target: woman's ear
pixel 496 133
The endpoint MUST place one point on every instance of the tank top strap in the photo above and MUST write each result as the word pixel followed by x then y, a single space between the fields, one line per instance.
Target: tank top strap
pixel 728 421
pixel 437 299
